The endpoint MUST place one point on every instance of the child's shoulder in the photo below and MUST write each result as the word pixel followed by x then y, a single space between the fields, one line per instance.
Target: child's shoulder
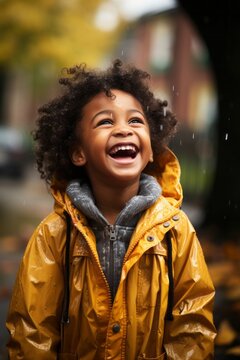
pixel 182 224
pixel 51 231
pixel 53 222
pixel 184 233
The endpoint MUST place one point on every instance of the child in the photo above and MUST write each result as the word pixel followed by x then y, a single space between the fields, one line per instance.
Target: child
pixel 116 270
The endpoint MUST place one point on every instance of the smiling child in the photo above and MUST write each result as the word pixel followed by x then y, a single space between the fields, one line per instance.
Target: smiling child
pixel 116 270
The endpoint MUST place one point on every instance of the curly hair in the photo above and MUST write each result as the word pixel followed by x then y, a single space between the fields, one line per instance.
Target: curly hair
pixel 57 121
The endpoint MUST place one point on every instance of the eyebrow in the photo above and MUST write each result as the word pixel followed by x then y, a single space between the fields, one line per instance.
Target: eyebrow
pixel 109 112
pixel 135 110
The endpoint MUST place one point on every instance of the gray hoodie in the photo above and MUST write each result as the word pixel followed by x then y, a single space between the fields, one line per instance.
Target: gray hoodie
pixel 113 240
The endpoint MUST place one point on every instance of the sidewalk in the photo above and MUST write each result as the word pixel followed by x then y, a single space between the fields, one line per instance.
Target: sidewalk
pixel 29 196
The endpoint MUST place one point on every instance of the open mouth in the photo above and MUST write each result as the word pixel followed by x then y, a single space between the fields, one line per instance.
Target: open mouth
pixel 123 151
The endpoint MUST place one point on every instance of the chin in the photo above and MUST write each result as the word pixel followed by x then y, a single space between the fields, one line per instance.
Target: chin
pixel 126 178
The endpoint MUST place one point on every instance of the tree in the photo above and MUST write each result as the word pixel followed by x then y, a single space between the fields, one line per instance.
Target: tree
pixel 218 24
pixel 50 31
pixel 38 39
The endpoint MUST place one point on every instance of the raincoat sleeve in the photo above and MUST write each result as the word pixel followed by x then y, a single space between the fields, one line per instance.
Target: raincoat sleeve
pixel 34 315
pixel 190 335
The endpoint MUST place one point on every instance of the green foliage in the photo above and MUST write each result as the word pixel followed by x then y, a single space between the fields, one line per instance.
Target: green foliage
pixel 53 32
pixel 196 177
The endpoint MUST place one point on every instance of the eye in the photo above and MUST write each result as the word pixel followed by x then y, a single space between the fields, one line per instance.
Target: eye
pixel 136 120
pixel 104 122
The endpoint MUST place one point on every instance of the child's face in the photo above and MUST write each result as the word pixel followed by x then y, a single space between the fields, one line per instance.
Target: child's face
pixel 114 139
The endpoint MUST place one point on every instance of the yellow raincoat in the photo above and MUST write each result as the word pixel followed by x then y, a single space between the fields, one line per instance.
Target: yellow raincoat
pixel 135 325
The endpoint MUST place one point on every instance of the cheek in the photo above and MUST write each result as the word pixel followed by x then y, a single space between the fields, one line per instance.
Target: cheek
pixel 150 150
pixel 95 146
pixel 148 140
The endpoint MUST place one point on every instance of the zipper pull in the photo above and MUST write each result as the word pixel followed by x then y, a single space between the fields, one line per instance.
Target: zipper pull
pixel 112 233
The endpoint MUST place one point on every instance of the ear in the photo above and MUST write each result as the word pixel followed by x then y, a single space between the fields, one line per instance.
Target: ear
pixel 78 157
pixel 151 157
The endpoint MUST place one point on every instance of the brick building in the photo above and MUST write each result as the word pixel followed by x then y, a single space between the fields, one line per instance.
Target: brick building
pixel 167 45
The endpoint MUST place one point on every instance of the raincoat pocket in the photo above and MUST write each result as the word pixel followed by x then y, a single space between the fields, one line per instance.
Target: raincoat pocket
pixel 144 357
pixel 148 285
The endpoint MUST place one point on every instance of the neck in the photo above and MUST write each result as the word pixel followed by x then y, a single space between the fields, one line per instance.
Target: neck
pixel 111 200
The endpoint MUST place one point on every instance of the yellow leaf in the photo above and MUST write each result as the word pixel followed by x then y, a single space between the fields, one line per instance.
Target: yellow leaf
pixel 226 334
pixel 234 350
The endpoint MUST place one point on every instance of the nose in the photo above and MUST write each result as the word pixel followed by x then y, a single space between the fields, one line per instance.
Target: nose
pixel 122 131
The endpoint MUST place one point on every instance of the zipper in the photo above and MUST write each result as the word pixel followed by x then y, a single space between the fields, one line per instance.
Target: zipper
pixel 112 237
pixel 112 232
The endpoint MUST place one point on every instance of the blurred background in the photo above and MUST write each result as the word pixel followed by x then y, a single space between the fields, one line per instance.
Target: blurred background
pixel 193 55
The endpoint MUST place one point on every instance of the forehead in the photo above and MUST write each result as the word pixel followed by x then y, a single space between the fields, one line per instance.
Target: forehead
pixel 120 100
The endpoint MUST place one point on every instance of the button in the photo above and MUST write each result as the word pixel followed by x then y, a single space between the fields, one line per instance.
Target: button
pixel 116 328
pixel 166 224
pixel 176 217
pixel 150 238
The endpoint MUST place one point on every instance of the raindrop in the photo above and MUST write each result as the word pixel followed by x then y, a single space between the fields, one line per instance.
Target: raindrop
pixel 193 136
pixel 147 108
pixel 122 52
pixel 164 111
pixel 206 19
pixel 180 142
pixel 161 127
pixel 173 88
pixel 226 136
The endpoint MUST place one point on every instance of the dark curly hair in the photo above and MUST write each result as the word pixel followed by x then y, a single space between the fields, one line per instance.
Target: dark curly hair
pixel 56 124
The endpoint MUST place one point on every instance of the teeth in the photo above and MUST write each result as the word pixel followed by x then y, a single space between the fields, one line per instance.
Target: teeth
pixel 122 148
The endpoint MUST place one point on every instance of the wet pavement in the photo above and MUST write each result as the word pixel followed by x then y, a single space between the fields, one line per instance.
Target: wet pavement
pixel 23 205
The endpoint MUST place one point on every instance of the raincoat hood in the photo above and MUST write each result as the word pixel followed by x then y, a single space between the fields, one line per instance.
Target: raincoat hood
pixel 165 169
